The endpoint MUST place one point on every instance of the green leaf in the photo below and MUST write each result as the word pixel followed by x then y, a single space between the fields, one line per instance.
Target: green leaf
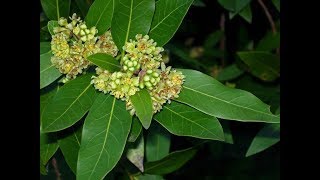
pixel 245 13
pixel 227 132
pixel 208 95
pixel 100 15
pixel 135 131
pixel 45 47
pixel 229 73
pixel 182 120
pixel 276 3
pixel 142 103
pixel 105 61
pixel 131 17
pixel 157 143
pixel 43 169
pixel 69 143
pixel 148 177
pixel 234 5
pixel 269 42
pixel 54 9
pixel 170 163
pixel 83 5
pixel 48 146
pixel 267 136
pixel 45 98
pixel 68 106
pixel 167 19
pixel 51 25
pixel 135 153
pixel 48 73
pixel 213 39
pixel 263 65
pixel 104 136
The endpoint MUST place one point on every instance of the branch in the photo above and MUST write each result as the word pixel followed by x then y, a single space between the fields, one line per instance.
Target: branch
pixel 222 40
pixel 56 169
pixel 272 24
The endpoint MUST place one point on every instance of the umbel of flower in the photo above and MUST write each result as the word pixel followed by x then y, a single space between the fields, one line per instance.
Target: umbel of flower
pixel 73 42
pixel 140 70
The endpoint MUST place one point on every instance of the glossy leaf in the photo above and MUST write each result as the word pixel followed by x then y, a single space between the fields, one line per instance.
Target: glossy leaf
pixel 68 106
pixel 229 73
pixel 228 138
pixel 267 136
pixel 105 61
pixel 83 5
pixel 183 120
pixel 170 163
pixel 46 97
pixel 142 103
pixel 69 144
pixel 135 153
pixel 167 19
pixel 131 17
pixel 269 42
pixel 136 129
pixel 48 73
pixel 157 143
pixel 263 65
pixel 234 5
pixel 104 136
pixel 100 15
pixel 208 95
pixel 54 9
pixel 51 25
pixel 48 146
pixel 45 47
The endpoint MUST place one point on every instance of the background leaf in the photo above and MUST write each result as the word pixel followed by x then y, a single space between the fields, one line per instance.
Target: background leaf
pixel 135 153
pixel 69 143
pixel 263 65
pixel 104 136
pixel 213 39
pixel 131 17
pixel 267 136
pixel 230 72
pixel 83 5
pixel 182 120
pixel 276 3
pixel 48 146
pixel 269 42
pixel 170 163
pixel 105 61
pixel 136 129
pixel 54 9
pixel 45 47
pixel 100 15
pixel 211 97
pixel 157 143
pixel 142 103
pixel 167 19
pixel 67 107
pixel 48 73
pixel 245 13
pixel 234 5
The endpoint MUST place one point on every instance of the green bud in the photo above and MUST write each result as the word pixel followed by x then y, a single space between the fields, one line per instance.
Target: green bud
pixel 158 79
pixel 82 33
pixel 150 88
pixel 125 67
pixel 130 64
pixel 155 74
pixel 149 71
pixel 119 75
pixel 117 81
pixel 152 80
pixel 93 30
pixel 83 26
pixel 131 69
pixel 135 63
pixel 141 85
pixel 148 84
pixel 83 38
pixel 113 85
pixel 146 78
pixel 135 81
pixel 87 31
pixel 76 30
pixel 90 36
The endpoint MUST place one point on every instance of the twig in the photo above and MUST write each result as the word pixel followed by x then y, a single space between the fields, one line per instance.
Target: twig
pixel 56 169
pixel 272 24
pixel 222 40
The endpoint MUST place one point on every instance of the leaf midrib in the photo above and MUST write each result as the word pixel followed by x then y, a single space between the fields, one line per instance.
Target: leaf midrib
pixel 105 139
pixel 228 102
pixel 103 12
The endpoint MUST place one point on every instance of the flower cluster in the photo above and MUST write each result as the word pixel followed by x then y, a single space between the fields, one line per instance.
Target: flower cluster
pixel 73 42
pixel 141 62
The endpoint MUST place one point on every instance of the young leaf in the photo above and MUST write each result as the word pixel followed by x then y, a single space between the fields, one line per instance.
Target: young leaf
pixel 45 47
pixel 157 143
pixel 142 103
pixel 229 73
pixel 208 95
pixel 167 19
pixel 104 136
pixel 83 5
pixel 131 17
pixel 69 144
pixel 135 153
pixel 267 136
pixel 100 15
pixel 48 146
pixel 135 131
pixel 170 163
pixel 67 107
pixel 105 61
pixel 182 120
pixel 54 9
pixel 51 25
pixel 263 65
pixel 48 73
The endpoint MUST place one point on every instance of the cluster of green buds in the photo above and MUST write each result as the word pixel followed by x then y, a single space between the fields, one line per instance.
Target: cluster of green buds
pixel 73 42
pixel 141 60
